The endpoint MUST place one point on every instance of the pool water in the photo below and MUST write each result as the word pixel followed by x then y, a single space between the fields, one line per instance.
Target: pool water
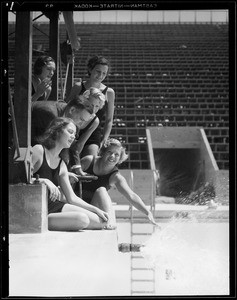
pixel 185 257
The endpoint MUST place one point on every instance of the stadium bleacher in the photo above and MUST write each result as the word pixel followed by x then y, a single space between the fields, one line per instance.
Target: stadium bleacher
pixel 162 74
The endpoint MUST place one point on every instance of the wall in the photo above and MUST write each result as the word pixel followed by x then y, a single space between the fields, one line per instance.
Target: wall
pixel 142 16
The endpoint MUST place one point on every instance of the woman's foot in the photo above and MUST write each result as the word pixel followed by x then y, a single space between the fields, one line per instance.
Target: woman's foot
pixel 109 227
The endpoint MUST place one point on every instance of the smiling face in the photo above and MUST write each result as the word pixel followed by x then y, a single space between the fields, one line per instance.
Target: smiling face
pixel 48 71
pixel 112 155
pixel 67 135
pixel 99 72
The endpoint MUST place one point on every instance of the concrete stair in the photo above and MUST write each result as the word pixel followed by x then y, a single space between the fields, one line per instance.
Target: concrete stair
pixel 28 208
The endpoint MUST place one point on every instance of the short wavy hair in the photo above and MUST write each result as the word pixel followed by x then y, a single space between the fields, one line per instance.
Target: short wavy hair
pixel 114 142
pixel 94 92
pixel 80 104
pixel 54 131
pixel 40 62
pixel 97 60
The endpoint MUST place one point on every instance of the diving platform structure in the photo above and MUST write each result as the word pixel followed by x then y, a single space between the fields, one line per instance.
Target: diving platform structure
pixel 183 155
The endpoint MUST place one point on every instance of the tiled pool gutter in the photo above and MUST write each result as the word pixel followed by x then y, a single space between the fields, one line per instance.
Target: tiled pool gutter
pixel 164 211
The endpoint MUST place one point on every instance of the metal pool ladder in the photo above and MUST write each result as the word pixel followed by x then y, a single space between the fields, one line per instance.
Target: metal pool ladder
pixel 142 277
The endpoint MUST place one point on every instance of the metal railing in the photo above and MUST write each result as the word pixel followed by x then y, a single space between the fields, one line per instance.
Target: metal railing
pixel 140 275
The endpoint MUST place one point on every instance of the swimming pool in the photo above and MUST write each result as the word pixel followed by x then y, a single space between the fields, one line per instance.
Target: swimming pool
pixel 188 256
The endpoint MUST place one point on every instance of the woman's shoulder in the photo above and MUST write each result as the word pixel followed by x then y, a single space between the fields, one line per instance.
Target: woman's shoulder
pixel 110 89
pixel 89 157
pixel 86 161
pixel 38 148
pixel 105 88
pixel 110 92
pixel 115 176
pixel 37 151
pixel 78 84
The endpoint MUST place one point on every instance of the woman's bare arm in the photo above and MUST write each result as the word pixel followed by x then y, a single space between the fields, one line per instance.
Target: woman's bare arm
pixel 121 184
pixel 72 197
pixel 109 115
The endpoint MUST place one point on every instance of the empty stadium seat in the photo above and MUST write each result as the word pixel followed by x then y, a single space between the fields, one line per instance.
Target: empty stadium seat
pixel 162 74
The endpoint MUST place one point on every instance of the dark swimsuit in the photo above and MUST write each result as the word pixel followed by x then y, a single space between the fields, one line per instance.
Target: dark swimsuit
pixel 86 128
pixel 89 188
pixel 96 135
pixel 53 175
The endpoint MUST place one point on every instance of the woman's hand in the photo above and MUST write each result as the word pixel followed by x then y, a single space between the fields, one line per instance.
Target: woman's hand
pixel 54 191
pixel 73 178
pixel 151 219
pixel 101 144
pixel 79 171
pixel 102 214
pixel 44 85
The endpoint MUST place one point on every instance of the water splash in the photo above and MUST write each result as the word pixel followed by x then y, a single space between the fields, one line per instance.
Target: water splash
pixel 183 267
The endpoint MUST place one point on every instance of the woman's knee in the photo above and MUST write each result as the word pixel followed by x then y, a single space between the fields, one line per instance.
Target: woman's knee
pixel 68 221
pixel 101 199
pixel 101 195
pixel 91 149
pixel 101 190
pixel 81 220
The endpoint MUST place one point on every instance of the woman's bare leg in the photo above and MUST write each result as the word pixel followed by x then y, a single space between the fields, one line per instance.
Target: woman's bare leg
pixel 68 221
pixel 102 200
pixel 90 150
pixel 95 222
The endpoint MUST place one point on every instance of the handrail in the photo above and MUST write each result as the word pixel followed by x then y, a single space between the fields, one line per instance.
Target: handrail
pixel 150 150
pixel 136 248
pixel 15 135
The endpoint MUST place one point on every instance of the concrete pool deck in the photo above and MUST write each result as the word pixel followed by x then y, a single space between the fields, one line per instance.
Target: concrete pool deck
pixel 85 263
pixel 64 264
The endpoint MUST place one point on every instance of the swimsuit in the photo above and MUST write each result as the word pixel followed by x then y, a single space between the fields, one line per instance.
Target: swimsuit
pixel 87 126
pixel 89 188
pixel 70 160
pixel 96 135
pixel 53 175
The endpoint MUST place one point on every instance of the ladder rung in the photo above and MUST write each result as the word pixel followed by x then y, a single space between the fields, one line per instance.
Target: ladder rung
pixel 139 221
pixel 134 256
pixel 139 233
pixel 143 292
pixel 140 269
pixel 142 280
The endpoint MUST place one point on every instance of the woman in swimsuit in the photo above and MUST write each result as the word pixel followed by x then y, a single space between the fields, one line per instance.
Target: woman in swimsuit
pixel 96 100
pixel 98 68
pixel 104 166
pixel 66 211
pixel 43 71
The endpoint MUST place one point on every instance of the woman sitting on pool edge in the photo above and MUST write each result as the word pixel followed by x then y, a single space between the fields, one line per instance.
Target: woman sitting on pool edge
pixel 104 166
pixel 66 211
